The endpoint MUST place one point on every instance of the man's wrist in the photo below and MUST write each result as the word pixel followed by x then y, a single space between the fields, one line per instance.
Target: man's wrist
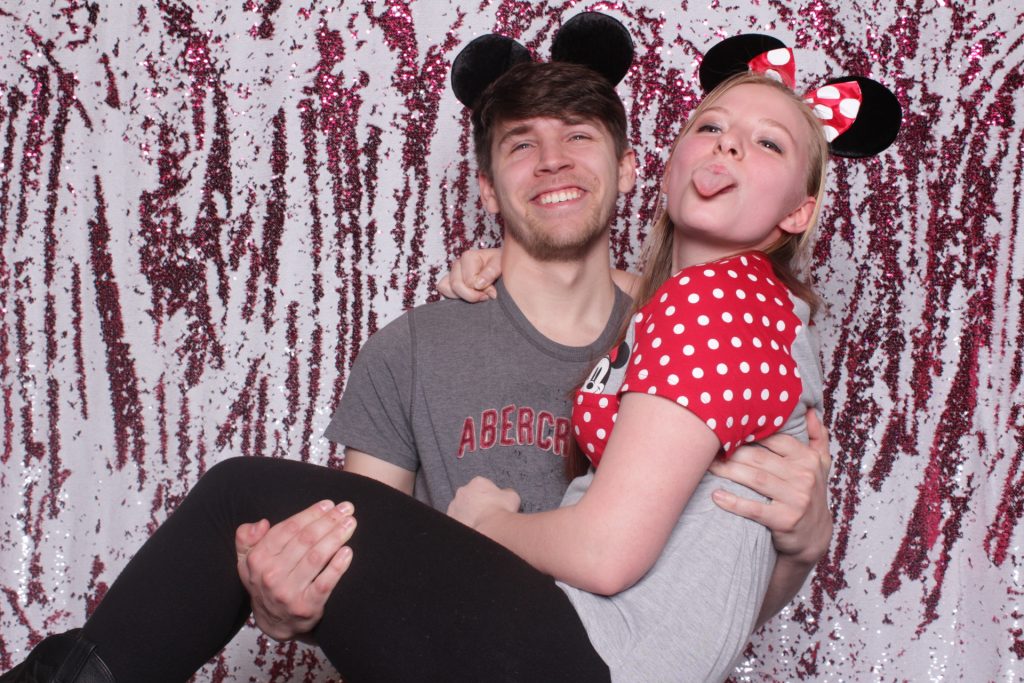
pixel 806 559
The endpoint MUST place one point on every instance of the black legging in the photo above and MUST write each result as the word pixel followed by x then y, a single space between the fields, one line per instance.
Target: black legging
pixel 425 599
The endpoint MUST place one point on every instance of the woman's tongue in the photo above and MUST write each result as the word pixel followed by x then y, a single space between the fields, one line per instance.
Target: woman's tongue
pixel 711 181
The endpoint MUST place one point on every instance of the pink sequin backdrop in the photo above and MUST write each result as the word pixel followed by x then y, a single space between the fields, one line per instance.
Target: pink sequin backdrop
pixel 205 209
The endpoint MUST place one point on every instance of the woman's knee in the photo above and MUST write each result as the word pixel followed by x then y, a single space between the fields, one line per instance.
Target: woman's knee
pixel 239 475
pixel 228 473
pixel 269 487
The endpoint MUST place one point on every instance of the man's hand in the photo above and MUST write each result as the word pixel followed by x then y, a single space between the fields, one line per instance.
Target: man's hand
pixel 472 276
pixel 479 499
pixel 795 478
pixel 291 568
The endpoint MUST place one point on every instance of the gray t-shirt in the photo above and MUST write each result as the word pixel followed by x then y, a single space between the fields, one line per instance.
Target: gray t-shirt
pixel 690 616
pixel 452 390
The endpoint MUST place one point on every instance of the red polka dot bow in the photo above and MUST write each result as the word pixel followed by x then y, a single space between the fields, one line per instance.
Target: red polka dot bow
pixel 836 105
pixel 860 117
pixel 778 64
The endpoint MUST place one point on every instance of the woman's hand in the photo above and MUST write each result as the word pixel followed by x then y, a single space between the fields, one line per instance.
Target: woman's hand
pixel 472 276
pixel 480 499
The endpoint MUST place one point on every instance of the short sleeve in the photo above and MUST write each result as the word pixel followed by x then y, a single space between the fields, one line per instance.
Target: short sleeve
pixel 373 415
pixel 717 339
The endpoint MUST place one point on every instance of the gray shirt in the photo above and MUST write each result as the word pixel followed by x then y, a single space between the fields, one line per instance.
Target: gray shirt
pixel 452 390
pixel 690 616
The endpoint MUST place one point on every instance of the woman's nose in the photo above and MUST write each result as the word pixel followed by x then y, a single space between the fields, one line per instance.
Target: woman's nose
pixel 729 143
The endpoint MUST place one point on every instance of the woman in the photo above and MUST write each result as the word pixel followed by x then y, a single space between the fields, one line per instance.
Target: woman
pixel 736 187
pixel 720 175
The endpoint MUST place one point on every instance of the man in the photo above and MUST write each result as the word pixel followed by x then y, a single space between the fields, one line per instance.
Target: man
pixel 450 391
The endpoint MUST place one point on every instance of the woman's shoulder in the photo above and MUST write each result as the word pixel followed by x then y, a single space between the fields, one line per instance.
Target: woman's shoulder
pixel 744 276
pixel 716 339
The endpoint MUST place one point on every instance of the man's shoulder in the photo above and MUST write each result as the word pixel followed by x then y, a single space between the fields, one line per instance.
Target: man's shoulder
pixel 432 321
pixel 454 311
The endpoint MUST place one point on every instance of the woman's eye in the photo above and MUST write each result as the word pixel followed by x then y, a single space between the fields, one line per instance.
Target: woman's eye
pixel 768 144
pixel 708 128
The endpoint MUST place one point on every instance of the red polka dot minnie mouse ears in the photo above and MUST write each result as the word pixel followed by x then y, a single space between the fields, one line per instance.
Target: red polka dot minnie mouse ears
pixel 861 117
pixel 591 39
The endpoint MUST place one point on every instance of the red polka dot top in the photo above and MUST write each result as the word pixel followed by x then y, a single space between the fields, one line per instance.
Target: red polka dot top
pixel 716 339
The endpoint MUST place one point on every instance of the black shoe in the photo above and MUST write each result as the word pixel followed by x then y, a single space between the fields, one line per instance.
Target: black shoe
pixel 63 658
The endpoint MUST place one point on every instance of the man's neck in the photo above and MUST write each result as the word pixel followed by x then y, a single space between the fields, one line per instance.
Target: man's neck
pixel 568 302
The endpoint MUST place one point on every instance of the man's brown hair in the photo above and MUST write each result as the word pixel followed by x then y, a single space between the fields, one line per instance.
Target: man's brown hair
pixel 557 90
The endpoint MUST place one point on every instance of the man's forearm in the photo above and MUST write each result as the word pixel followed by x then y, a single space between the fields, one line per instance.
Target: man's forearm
pixel 788 577
pixel 383 471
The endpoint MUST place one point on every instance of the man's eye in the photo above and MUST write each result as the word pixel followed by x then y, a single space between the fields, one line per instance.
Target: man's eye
pixel 579 136
pixel 520 145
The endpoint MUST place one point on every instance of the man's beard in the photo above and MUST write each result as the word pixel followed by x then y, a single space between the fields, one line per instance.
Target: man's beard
pixel 543 246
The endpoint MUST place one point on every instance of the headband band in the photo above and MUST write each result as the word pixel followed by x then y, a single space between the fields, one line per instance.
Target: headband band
pixel 860 117
pixel 590 39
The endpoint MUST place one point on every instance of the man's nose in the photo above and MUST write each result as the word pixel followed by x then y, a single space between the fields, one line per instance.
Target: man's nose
pixel 553 158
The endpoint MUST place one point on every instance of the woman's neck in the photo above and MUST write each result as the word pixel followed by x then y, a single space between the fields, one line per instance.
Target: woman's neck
pixel 687 251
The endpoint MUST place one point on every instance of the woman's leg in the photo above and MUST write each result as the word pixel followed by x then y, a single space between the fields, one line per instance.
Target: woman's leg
pixel 179 600
pixel 429 599
pixel 425 598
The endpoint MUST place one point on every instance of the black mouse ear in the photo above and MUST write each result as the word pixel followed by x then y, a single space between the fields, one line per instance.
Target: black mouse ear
pixel 595 40
pixel 875 124
pixel 732 56
pixel 482 62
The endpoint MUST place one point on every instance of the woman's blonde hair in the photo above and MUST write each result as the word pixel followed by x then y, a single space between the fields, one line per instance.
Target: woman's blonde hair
pixel 790 254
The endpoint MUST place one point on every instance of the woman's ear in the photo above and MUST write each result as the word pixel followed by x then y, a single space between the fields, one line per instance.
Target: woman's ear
pixel 799 220
pixel 665 175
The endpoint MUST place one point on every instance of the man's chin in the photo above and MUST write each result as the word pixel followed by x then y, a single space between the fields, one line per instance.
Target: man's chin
pixel 553 251
pixel 564 252
pixel 558 254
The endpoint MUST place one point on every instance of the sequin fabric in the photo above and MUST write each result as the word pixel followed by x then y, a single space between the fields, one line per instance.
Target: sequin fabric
pixel 206 208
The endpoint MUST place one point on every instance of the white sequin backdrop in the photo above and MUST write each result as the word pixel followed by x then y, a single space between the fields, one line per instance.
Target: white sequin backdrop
pixel 205 208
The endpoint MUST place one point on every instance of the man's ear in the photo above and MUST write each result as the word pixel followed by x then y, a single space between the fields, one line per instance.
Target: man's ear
pixel 487 194
pixel 627 171
pixel 799 220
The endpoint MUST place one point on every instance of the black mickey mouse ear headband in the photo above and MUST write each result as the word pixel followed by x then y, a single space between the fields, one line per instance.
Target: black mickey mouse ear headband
pixel 590 39
pixel 595 40
pixel 861 117
pixel 482 62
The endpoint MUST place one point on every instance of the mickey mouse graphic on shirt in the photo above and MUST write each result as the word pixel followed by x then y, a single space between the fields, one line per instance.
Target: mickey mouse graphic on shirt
pixel 601 375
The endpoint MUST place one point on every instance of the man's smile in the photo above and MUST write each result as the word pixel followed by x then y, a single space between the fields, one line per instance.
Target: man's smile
pixel 558 196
